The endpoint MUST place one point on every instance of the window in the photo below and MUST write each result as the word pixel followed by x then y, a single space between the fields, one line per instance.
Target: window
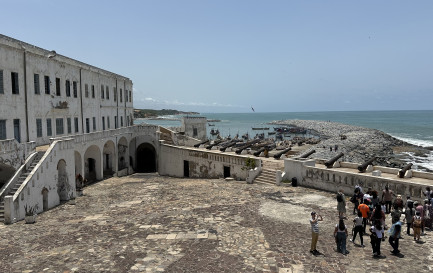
pixel 195 132
pixel 130 96
pixel 107 93
pixel 69 123
pixel 74 86
pixel 15 87
pixel 2 129
pixel 94 124
pixel 102 92
pixel 121 121
pixel 87 125
pixel 126 95
pixel 115 93
pixel 93 91
pixel 120 95
pixel 36 82
pixel 115 122
pixel 17 130
pixel 86 90
pixel 38 127
pixel 68 88
pixel 108 122
pixel 127 121
pixel 76 124
pixel 47 84
pixel 59 126
pixel 2 91
pixel 57 86
pixel 49 128
pixel 103 123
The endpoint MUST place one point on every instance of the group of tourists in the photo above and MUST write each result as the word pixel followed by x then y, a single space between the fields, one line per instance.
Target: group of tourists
pixel 372 211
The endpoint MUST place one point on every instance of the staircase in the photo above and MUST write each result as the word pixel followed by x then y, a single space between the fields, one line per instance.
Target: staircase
pixel 19 183
pixel 267 176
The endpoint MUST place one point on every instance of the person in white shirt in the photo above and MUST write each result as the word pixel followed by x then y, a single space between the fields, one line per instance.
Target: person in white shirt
pixel 315 231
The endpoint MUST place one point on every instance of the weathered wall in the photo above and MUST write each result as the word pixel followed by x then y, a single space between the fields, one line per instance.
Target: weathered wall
pixel 202 164
pixel 334 179
pixel 12 156
pixel 189 124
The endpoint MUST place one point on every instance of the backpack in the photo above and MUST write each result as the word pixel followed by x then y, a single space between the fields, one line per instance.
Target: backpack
pixel 417 222
pixel 339 198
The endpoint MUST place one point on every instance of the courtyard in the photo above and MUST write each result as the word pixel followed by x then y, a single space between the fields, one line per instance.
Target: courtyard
pixel 151 223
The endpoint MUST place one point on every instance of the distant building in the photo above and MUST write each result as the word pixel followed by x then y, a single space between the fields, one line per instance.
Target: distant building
pixel 194 127
pixel 45 95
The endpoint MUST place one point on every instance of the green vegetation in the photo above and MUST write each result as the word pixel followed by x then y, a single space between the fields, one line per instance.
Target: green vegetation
pixel 150 113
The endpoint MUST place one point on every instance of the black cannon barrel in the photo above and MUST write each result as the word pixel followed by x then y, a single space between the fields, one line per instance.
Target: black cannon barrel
pixel 331 161
pixel 247 145
pixel 259 151
pixel 214 144
pixel 278 155
pixel 363 166
pixel 232 143
pixel 402 172
pixel 307 154
pixel 201 143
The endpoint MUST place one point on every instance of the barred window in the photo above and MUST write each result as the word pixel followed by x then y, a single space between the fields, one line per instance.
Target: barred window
pixel 107 95
pixel 68 88
pixel 86 90
pixel 69 123
pixel 108 122
pixel 87 125
pixel 93 91
pixel 76 124
pixel 2 91
pixel 94 124
pixel 115 93
pixel 36 82
pixel 121 95
pixel 2 129
pixel 74 86
pixel 57 86
pixel 49 128
pixel 15 86
pixel 103 123
pixel 102 92
pixel 47 84
pixel 130 96
pixel 38 127
pixel 59 126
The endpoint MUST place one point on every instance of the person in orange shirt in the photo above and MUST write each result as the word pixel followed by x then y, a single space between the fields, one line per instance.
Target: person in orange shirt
pixel 365 210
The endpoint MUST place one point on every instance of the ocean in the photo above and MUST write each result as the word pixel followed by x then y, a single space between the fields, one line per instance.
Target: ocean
pixel 415 127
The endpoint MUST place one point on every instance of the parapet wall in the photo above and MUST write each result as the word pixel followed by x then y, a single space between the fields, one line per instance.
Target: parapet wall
pixel 331 180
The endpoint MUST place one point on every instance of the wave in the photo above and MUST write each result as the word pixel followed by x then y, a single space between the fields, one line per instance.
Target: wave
pixel 421 162
pixel 414 141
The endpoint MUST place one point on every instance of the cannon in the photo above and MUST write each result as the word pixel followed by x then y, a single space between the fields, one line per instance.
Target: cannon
pixel 402 172
pixel 363 166
pixel 307 154
pixel 232 143
pixel 278 155
pixel 201 143
pixel 331 161
pixel 214 144
pixel 259 151
pixel 247 145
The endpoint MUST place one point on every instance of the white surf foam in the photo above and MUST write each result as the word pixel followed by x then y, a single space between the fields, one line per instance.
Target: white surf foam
pixel 418 142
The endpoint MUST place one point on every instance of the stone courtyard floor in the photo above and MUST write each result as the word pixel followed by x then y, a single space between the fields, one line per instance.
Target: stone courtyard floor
pixel 149 223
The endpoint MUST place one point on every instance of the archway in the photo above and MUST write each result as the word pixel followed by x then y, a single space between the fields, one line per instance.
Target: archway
pixel 6 172
pixel 63 186
pixel 145 158
pixel 122 153
pixel 44 199
pixel 78 163
pixel 108 158
pixel 92 164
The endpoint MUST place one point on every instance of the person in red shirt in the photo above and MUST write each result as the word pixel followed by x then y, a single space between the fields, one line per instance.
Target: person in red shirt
pixel 365 210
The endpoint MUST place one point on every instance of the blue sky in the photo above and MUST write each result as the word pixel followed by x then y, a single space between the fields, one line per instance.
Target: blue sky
pixel 226 56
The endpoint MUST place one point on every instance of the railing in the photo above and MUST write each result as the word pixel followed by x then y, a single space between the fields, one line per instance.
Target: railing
pixel 30 190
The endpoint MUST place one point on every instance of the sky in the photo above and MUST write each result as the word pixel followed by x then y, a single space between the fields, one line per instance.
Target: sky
pixel 230 55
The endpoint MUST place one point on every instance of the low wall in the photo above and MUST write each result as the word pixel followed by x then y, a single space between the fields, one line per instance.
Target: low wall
pixel 47 179
pixel 202 164
pixel 13 153
pixel 334 179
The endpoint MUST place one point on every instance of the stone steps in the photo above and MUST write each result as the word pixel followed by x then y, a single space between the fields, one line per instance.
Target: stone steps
pixel 20 181
pixel 267 176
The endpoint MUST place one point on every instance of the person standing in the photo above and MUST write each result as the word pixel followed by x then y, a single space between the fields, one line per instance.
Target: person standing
pixel 409 214
pixel 395 235
pixel 314 221
pixel 387 195
pixel 416 224
pixel 340 233
pixel 365 210
pixel 427 193
pixel 428 214
pixel 341 204
pixel 377 234
pixel 358 221
pixel 420 208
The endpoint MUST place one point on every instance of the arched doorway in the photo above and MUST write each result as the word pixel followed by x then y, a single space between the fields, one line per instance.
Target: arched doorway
pixel 122 150
pixel 108 158
pixel 92 164
pixel 63 186
pixel 145 158
pixel 44 199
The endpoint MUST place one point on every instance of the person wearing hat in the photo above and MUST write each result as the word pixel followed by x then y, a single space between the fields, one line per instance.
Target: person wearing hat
pixel 314 221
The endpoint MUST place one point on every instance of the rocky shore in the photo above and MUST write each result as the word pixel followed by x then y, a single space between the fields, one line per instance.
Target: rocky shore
pixel 358 144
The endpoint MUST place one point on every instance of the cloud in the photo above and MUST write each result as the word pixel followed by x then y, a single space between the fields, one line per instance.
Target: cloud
pixel 193 103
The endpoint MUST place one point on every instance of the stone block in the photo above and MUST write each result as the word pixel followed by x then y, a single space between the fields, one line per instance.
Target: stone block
pixel 369 168
pixel 376 173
